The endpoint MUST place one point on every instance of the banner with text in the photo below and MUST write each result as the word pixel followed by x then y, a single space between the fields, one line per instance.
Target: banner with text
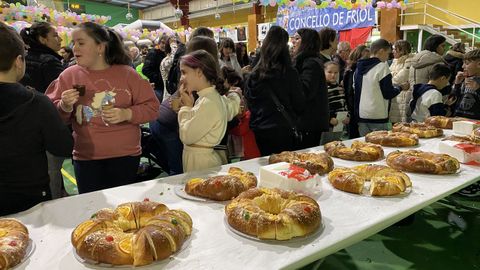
pixel 293 18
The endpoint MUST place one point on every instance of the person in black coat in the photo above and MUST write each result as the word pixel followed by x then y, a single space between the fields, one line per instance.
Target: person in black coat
pixel 151 66
pixel 29 125
pixel 328 44
pixel 43 63
pixel 274 75
pixel 315 119
pixel 43 66
pixel 360 52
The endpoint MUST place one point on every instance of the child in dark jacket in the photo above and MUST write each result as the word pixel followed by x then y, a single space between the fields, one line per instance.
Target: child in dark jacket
pixel 467 87
pixel 427 98
pixel 29 126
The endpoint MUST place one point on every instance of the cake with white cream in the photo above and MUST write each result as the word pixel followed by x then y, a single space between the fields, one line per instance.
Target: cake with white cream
pixel 286 176
pixel 464 148
pixel 465 127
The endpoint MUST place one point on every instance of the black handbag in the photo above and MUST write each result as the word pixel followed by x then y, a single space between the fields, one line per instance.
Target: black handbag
pixel 298 136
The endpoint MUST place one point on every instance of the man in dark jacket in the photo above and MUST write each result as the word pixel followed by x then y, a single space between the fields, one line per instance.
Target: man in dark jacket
pixel 151 67
pixel 29 126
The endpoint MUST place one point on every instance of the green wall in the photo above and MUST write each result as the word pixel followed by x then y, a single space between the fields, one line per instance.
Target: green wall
pixel 116 12
pixel 412 37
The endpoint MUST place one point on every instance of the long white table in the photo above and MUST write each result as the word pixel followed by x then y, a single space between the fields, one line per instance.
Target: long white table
pixel 347 219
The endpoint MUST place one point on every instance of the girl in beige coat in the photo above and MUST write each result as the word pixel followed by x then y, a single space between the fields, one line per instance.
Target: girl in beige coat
pixel 400 71
pixel 203 122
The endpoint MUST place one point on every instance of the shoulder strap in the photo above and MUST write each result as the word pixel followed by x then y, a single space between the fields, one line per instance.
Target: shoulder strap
pixel 282 110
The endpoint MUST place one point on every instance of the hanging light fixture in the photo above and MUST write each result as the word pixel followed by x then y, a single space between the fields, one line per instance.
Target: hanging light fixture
pixel 217 15
pixel 178 12
pixel 129 15
pixel 68 5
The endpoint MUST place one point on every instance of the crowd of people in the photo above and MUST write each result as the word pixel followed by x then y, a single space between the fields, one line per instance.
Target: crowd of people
pixel 206 104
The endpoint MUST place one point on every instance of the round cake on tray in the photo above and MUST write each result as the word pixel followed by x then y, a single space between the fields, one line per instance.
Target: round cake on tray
pixel 384 181
pixel 423 162
pixel 134 233
pixel 359 151
pixel 392 139
pixel 13 242
pixel 315 163
pixel 273 214
pixel 442 121
pixel 421 129
pixel 221 187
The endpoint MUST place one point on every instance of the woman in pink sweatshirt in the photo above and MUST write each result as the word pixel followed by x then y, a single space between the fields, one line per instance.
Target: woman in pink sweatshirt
pixel 105 100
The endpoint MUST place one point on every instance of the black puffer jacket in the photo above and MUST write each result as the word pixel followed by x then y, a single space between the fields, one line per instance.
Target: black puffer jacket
pixel 151 68
pixel 312 77
pixel 287 88
pixel 43 65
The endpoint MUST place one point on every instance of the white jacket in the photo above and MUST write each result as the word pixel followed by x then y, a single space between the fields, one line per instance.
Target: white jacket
pixel 400 69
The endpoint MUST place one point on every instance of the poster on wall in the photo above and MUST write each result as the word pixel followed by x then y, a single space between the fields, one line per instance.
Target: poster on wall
pixel 263 30
pixel 292 18
pixel 232 33
pixel 242 33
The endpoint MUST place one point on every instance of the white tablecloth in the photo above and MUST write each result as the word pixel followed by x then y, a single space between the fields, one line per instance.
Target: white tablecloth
pixel 347 219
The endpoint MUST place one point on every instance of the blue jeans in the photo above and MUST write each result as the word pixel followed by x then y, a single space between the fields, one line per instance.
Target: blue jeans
pixel 365 128
pixel 170 145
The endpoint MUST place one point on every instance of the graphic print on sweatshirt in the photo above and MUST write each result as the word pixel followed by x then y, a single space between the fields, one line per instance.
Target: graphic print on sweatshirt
pixel 102 100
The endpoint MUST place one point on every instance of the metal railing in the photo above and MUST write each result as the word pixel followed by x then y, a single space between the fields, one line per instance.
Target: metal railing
pixel 425 14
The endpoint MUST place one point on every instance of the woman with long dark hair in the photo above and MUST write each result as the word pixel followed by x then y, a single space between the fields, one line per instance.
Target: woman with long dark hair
pixel 360 52
pixel 274 77
pixel 242 55
pixel 106 101
pixel 43 65
pixel 227 55
pixel 315 118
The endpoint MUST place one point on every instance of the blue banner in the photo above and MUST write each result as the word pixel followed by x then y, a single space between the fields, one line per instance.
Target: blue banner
pixel 293 18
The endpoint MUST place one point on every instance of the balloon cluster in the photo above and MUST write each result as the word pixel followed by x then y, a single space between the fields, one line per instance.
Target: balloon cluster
pixel 347 4
pixel 30 14
pixel 394 4
pixel 136 34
